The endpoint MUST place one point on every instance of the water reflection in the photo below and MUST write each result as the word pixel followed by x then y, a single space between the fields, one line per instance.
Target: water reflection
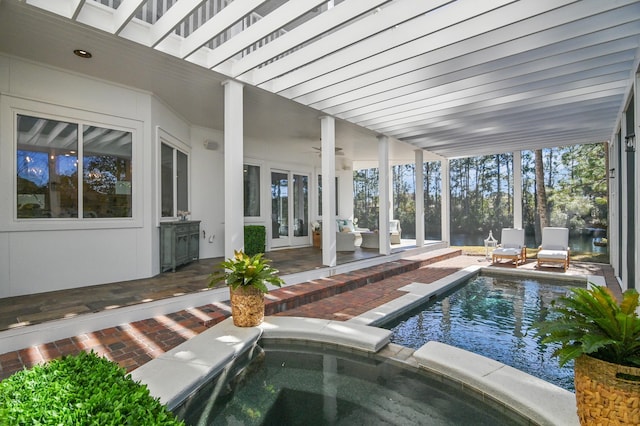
pixel 494 318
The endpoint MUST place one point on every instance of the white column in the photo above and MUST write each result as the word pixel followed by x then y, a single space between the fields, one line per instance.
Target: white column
pixel 445 212
pixel 233 159
pixel 517 190
pixel 329 226
pixel 419 155
pixel 385 199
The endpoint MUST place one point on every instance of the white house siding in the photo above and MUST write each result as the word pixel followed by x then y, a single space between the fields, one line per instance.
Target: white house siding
pixel 42 255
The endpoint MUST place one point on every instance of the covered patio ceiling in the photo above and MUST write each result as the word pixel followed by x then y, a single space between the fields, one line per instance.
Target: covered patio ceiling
pixel 455 78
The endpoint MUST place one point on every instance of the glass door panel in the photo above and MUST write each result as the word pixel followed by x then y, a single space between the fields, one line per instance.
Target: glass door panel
pixel 289 213
pixel 301 209
pixel 279 209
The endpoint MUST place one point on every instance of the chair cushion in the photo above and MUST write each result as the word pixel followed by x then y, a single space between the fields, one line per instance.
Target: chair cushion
pixel 512 246
pixel 552 254
pixel 555 238
pixel 507 251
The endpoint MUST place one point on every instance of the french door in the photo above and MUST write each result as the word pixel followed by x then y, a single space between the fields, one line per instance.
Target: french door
pixel 289 209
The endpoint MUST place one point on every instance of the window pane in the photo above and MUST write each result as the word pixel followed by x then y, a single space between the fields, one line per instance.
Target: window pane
pixel 47 168
pixel 166 172
pixel 251 190
pixel 279 205
pixel 182 181
pixel 300 205
pixel 320 195
pixel 106 172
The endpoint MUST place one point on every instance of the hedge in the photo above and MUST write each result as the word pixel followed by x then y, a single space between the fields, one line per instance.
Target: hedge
pixel 83 389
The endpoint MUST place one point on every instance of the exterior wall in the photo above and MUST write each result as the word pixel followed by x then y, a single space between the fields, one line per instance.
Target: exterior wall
pixel 207 191
pixel 38 255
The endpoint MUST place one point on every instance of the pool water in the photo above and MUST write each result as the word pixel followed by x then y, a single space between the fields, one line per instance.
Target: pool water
pixel 293 384
pixel 493 317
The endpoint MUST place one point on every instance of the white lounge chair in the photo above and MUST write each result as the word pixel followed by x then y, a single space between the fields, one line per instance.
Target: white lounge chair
pixel 554 247
pixel 511 247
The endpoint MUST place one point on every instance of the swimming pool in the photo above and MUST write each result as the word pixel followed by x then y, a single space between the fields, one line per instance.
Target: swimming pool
pixel 493 317
pixel 302 384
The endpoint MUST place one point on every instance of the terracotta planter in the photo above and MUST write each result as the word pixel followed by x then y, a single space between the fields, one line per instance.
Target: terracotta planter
pixel 247 306
pixel 607 394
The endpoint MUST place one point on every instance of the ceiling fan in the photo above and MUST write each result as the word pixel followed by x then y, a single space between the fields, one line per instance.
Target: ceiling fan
pixel 338 150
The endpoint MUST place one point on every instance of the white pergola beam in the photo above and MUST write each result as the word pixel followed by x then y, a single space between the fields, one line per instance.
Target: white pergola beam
pixel 315 27
pixel 125 13
pixel 395 13
pixel 457 116
pixel 506 40
pixel 269 24
pixel 601 88
pixel 224 19
pixel 557 115
pixel 171 18
pixel 571 66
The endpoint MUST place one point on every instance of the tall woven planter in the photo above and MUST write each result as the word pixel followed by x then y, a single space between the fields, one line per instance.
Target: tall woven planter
pixel 247 306
pixel 602 396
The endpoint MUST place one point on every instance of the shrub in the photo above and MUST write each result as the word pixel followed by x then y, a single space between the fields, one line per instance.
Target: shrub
pixel 255 237
pixel 82 389
pixel 592 322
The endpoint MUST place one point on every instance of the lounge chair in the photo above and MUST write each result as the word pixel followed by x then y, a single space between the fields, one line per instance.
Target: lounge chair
pixel 554 247
pixel 511 247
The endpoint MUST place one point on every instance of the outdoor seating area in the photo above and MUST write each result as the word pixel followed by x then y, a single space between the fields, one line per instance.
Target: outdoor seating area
pixel 554 247
pixel 511 247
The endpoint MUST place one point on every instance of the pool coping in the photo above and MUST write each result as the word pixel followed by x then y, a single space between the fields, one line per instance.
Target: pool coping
pixel 195 361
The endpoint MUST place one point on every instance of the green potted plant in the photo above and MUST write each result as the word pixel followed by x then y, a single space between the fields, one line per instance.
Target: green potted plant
pixel 247 278
pixel 603 337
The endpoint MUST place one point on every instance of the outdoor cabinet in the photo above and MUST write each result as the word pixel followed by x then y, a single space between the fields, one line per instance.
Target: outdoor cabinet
pixel 179 243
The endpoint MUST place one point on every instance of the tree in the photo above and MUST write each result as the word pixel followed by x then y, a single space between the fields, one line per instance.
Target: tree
pixel 541 196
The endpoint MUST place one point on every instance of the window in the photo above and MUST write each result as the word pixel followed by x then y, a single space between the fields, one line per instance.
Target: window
pixel 251 190
pixel 48 155
pixel 320 195
pixel 174 181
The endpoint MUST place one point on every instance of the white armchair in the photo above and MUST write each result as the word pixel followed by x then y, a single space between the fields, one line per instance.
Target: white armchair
pixel 395 231
pixel 345 241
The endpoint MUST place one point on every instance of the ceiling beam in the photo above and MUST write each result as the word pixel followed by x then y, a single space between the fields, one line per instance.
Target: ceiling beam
pixel 501 42
pixel 125 13
pixel 323 23
pixel 395 13
pixel 171 18
pixel 224 19
pixel 266 26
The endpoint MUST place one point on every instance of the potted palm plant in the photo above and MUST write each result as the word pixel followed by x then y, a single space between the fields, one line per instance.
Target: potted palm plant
pixel 247 278
pixel 603 337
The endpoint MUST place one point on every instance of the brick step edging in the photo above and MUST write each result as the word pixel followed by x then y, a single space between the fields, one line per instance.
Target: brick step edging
pixel 297 295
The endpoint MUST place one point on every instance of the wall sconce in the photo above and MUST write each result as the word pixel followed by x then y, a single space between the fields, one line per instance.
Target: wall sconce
pixel 612 173
pixel 630 143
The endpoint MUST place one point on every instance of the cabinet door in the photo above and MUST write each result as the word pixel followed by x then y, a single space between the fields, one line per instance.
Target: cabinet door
pixel 194 241
pixel 182 245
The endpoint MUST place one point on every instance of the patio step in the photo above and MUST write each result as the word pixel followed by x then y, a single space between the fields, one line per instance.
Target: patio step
pixel 297 295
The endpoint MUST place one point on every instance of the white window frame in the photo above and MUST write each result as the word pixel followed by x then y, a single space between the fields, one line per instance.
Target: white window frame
pixel 10 108
pixel 164 137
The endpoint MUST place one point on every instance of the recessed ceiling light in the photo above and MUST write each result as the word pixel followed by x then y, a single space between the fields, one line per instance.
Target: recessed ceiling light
pixel 82 53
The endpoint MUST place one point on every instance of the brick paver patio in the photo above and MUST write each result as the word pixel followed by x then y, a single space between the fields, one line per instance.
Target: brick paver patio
pixel 340 297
